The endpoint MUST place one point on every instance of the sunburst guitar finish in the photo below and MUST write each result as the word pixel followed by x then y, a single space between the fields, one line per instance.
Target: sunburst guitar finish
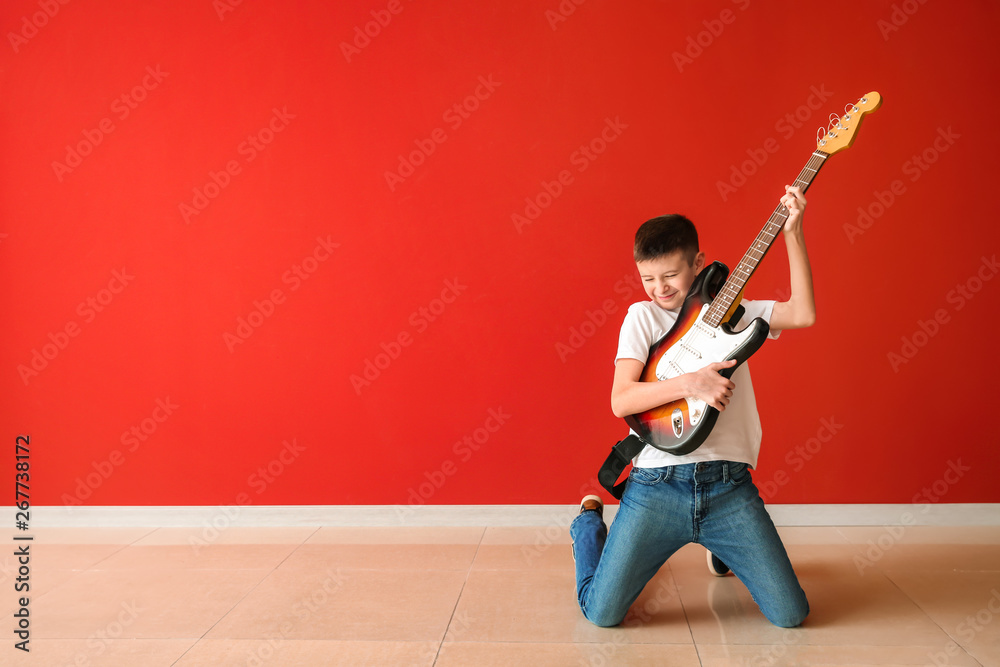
pixel 704 333
pixel 679 427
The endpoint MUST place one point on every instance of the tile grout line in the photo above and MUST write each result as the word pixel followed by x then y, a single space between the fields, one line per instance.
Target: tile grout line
pixel 245 595
pixel 928 616
pixel 123 547
pixel 687 622
pixel 459 598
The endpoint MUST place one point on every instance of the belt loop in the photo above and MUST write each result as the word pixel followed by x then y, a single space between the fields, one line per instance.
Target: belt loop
pixel 725 472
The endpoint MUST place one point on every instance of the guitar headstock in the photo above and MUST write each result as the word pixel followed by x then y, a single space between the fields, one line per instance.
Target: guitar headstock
pixel 840 134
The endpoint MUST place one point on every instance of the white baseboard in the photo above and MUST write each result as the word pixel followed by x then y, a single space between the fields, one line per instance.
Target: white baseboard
pixel 221 516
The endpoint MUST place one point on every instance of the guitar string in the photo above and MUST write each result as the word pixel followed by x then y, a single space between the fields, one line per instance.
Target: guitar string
pixel 765 237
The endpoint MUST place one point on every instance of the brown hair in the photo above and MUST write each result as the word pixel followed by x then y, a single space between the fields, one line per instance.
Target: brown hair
pixel 666 234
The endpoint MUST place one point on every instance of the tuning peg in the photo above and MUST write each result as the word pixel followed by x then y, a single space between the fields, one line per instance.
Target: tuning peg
pixel 821 136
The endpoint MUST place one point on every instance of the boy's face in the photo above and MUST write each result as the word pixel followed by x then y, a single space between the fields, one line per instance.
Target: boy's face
pixel 668 278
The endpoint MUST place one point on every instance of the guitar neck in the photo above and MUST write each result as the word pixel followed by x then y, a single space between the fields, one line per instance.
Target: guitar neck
pixel 741 274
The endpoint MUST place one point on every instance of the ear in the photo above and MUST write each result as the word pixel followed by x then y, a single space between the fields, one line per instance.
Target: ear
pixel 699 262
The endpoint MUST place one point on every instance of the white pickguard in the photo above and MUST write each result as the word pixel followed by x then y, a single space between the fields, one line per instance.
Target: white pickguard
pixel 699 347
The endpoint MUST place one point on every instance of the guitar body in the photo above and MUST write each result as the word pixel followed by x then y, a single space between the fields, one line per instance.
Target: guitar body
pixel 681 426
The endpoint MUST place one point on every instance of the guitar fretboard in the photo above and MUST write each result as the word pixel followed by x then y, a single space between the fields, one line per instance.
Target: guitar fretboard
pixel 741 274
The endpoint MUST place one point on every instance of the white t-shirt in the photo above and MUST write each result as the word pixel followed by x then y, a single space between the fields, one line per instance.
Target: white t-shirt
pixel 737 433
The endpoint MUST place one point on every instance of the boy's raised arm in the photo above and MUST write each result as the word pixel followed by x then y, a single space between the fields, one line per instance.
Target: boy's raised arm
pixel 799 310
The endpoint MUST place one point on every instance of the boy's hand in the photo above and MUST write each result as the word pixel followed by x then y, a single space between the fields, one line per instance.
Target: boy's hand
pixel 711 387
pixel 795 202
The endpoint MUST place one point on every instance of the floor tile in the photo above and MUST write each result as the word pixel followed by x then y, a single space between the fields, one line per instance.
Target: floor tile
pixel 48 557
pixel 104 650
pixel 619 652
pixel 884 553
pixel 383 556
pixel 151 604
pixel 302 595
pixel 541 606
pixel 73 535
pixel 556 557
pixel 923 534
pixel 845 607
pixel 536 536
pixel 244 652
pixel 194 557
pixel 811 535
pixel 397 535
pixel 208 535
pixel 965 604
pixel 793 655
pixel 336 603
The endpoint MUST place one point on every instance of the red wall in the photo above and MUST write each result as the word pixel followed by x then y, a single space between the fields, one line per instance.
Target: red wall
pixel 204 250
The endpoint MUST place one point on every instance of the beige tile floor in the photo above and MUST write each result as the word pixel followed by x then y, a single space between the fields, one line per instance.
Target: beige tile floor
pixel 488 596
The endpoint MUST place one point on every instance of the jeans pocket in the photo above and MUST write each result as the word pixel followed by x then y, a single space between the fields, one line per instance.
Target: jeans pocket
pixel 645 476
pixel 739 473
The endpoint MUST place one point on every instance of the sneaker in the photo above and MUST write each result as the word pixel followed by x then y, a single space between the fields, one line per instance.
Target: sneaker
pixel 716 566
pixel 592 503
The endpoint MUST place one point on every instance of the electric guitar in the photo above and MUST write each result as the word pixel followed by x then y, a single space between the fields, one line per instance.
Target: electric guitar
pixel 703 332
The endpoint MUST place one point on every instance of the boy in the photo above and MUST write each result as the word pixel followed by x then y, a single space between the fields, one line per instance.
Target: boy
pixel 706 496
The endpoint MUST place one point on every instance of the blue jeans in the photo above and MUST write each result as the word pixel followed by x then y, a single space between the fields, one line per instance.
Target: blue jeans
pixel 715 504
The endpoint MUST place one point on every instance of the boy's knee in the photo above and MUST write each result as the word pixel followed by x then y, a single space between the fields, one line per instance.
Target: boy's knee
pixel 603 618
pixel 791 617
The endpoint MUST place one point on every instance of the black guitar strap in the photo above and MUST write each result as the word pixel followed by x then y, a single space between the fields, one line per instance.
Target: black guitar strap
pixel 621 455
